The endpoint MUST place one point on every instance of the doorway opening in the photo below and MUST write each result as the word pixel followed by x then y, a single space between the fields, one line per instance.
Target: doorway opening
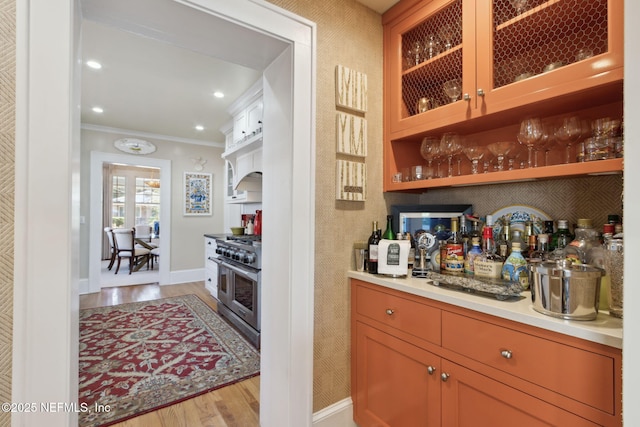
pixel 131 199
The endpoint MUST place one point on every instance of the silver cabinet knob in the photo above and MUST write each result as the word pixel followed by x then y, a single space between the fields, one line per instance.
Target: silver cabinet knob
pixel 506 354
pixel 466 97
pixel 389 311
pixel 431 370
pixel 444 376
pixel 480 92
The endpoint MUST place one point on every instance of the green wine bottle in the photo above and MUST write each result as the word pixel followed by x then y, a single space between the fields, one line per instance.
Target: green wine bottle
pixel 388 233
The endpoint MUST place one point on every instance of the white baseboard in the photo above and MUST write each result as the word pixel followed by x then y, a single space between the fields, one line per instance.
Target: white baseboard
pixel 340 414
pixel 181 276
pixel 184 276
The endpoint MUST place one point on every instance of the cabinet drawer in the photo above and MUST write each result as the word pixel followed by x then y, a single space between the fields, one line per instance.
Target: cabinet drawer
pixel 579 374
pixel 406 315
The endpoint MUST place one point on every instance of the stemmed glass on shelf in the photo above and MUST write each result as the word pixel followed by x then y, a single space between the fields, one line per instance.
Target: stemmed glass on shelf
pixel 450 145
pixel 500 150
pixel 530 134
pixel 519 5
pixel 475 153
pixel 568 133
pixel 453 89
pixel 430 150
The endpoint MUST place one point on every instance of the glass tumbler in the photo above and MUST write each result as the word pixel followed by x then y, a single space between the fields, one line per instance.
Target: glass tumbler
pixel 614 264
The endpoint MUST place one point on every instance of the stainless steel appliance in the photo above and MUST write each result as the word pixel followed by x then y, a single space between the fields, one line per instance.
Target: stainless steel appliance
pixel 239 263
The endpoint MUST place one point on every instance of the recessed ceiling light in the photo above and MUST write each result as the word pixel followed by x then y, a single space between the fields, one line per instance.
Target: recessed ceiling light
pixel 94 64
pixel 97 110
pixel 199 127
pixel 218 94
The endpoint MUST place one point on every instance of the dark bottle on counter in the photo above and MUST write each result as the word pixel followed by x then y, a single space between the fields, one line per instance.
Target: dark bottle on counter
pixel 504 241
pixel 562 237
pixel 465 236
pixel 388 232
pixel 412 250
pixel 374 239
pixel 548 228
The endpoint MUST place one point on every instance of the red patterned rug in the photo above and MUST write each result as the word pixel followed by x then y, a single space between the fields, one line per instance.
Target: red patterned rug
pixel 140 357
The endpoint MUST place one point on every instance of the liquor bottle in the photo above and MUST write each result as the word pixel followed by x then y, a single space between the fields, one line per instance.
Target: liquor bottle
pixel 388 232
pixel 586 238
pixel 475 231
pixel 455 250
pixel 516 236
pixel 465 236
pixel 374 239
pixel 528 231
pixel 412 250
pixel 488 263
pixel 531 247
pixel 504 241
pixel 548 228
pixel 515 267
pixel 562 236
pixel 473 253
pixel 541 253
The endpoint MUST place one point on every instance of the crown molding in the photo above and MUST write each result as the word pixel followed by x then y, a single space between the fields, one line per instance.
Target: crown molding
pixel 150 135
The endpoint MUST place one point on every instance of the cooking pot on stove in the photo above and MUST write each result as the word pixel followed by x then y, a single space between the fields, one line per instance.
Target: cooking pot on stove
pixel 566 290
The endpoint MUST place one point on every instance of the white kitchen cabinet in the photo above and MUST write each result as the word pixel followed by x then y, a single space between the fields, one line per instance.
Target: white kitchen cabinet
pixel 210 266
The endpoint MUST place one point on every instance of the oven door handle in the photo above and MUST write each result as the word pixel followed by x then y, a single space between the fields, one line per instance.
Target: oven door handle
pixel 239 272
pixel 215 259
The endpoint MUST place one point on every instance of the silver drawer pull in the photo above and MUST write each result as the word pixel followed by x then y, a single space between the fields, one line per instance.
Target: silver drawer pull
pixel 431 370
pixel 389 311
pixel 506 354
pixel 444 376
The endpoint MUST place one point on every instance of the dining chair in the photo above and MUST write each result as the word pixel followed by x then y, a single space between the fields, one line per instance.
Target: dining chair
pixel 154 254
pixel 126 248
pixel 143 233
pixel 112 246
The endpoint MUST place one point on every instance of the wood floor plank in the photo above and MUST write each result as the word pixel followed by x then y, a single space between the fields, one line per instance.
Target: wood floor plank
pixel 237 405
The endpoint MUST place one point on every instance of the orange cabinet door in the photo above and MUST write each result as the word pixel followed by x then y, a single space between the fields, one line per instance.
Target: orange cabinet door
pixel 473 400
pixel 549 49
pixel 427 50
pixel 396 383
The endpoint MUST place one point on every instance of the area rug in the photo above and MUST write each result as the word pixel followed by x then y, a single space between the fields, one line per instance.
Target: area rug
pixel 140 357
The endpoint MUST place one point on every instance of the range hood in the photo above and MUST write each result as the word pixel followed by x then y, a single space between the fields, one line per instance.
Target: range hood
pixel 250 182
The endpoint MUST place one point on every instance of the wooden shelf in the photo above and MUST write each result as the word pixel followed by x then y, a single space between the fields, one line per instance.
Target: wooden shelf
pixel 600 167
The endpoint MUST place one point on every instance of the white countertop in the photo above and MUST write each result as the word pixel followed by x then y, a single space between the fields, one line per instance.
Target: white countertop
pixel 604 329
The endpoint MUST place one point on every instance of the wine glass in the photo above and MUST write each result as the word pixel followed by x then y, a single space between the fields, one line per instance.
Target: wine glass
pixel 431 47
pixel 453 89
pixel 429 150
pixel 568 133
pixel 450 146
pixel 519 5
pixel 447 32
pixel 475 153
pixel 500 149
pixel 415 54
pixel 530 134
pixel 547 143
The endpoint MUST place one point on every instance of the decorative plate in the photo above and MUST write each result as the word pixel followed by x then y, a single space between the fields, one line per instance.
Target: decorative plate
pixel 134 146
pixel 516 216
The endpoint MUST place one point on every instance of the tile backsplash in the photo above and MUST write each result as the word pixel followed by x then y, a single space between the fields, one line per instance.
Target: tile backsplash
pixel 592 197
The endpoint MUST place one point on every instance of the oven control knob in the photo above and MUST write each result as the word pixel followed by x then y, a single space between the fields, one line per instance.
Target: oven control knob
pixel 228 253
pixel 250 258
pixel 219 250
pixel 237 256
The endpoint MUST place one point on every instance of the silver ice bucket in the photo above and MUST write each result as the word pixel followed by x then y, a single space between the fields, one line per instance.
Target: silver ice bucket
pixel 565 290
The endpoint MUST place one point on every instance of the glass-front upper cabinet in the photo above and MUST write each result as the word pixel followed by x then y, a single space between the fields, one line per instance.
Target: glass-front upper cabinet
pixel 447 61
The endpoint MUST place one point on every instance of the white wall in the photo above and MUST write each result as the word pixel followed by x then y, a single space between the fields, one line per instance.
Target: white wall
pixel 186 237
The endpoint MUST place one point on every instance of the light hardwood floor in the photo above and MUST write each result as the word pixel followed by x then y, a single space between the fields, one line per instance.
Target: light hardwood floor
pixel 236 405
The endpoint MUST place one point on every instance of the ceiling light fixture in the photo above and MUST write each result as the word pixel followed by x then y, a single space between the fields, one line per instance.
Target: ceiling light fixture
pixel 199 127
pixel 97 110
pixel 94 64
pixel 218 94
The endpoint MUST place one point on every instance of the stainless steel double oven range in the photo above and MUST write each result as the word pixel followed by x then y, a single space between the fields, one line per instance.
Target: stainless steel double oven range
pixel 239 260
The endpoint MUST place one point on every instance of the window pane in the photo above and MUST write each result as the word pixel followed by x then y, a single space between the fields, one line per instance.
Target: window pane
pixel 147 205
pixel 118 201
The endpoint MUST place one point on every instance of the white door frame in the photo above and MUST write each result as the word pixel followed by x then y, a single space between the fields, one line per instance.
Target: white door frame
pixel 47 223
pixel 97 160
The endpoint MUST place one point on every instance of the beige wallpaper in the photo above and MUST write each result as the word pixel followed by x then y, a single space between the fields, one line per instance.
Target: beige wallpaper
pixel 7 181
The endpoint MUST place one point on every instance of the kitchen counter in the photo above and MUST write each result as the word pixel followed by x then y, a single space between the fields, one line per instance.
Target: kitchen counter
pixel 604 329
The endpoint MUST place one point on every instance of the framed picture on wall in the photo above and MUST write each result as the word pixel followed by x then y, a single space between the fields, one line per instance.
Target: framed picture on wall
pixel 197 193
